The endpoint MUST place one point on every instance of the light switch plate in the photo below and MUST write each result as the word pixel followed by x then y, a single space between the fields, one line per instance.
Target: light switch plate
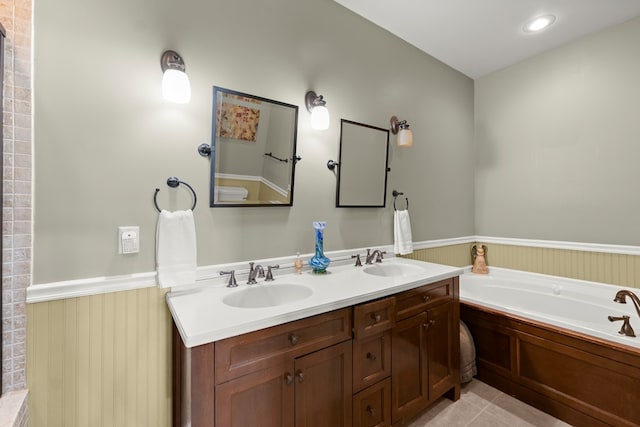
pixel 128 240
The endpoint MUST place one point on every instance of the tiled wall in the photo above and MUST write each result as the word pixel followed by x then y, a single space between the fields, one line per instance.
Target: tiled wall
pixel 15 16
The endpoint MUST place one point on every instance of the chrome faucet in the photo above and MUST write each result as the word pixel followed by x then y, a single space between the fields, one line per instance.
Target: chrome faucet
pixel 621 297
pixel 378 254
pixel 269 277
pixel 257 271
pixel 358 261
pixel 232 278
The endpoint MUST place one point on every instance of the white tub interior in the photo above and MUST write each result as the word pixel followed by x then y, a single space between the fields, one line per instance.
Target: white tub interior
pixel 578 305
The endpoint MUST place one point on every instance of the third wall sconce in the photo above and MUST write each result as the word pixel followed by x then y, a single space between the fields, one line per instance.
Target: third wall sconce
pixel 316 105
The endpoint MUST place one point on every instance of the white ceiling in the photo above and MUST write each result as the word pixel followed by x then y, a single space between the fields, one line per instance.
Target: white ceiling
pixel 477 37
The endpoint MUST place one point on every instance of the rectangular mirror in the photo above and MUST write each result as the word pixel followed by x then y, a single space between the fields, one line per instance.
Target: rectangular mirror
pixel 253 155
pixel 362 165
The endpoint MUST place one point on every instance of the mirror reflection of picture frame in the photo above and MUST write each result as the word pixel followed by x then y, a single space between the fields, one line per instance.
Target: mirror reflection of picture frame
pixel 363 165
pixel 253 154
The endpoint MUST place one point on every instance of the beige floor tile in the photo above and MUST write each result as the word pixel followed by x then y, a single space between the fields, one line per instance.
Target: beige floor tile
pixel 446 413
pixel 516 413
pixel 478 393
pixel 485 419
pixel 481 405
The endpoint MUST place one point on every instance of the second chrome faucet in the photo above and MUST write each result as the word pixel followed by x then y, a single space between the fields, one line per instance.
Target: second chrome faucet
pixel 258 271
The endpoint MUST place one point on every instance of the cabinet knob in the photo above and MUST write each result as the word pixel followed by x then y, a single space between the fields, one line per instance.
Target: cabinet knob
pixel 429 323
pixel 288 378
pixel 425 298
pixel 376 317
pixel 371 411
pixel 293 339
pixel 371 356
pixel 301 376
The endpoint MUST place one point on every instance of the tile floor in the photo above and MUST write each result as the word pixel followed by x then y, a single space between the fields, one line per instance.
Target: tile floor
pixel 482 405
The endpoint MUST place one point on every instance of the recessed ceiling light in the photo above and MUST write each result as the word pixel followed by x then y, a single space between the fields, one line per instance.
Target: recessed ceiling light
pixel 539 23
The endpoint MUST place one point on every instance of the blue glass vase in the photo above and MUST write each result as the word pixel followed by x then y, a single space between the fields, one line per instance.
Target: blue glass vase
pixel 319 262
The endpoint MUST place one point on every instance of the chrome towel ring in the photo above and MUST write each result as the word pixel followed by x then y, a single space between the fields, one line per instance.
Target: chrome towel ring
pixel 395 196
pixel 173 182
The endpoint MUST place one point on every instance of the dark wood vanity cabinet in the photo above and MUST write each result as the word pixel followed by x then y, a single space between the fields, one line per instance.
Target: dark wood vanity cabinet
pixel 425 348
pixel 373 322
pixel 296 374
pixel 370 365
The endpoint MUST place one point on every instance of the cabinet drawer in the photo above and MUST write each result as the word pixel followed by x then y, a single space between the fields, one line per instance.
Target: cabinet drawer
pixel 371 360
pixel 257 350
pixel 420 299
pixel 372 407
pixel 374 317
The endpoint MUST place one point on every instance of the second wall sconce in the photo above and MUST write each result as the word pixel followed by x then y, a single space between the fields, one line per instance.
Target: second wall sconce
pixel 316 105
pixel 175 82
pixel 401 128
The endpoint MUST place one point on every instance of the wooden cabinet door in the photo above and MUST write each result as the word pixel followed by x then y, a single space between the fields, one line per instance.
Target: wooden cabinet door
pixel 442 332
pixel 409 372
pixel 264 398
pixel 323 396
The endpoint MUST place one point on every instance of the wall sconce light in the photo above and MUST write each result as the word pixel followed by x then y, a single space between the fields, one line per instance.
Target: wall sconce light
pixel 316 105
pixel 175 82
pixel 401 128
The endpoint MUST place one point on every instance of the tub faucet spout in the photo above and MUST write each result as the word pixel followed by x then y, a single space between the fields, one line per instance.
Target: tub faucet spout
pixel 621 297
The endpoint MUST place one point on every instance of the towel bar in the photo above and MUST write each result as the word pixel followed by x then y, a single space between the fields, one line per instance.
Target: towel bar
pixel 173 182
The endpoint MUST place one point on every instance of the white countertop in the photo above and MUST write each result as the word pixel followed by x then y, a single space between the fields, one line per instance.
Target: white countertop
pixel 202 317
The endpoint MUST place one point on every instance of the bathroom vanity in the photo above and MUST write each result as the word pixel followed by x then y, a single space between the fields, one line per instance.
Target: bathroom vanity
pixel 377 352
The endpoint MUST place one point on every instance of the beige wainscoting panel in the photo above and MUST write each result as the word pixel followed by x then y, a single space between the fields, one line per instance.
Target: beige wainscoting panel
pixel 101 360
pixel 616 269
pixel 455 255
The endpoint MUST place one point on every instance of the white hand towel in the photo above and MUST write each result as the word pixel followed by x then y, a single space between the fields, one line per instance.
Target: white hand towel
pixel 402 240
pixel 176 260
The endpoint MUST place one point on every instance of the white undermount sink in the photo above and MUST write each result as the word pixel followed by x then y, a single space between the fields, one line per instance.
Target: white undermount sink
pixel 267 295
pixel 393 269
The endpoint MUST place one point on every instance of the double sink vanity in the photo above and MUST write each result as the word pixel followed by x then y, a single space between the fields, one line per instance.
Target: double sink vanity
pixel 358 346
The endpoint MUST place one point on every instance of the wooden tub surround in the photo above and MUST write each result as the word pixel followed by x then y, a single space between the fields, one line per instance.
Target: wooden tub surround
pixel 378 363
pixel 582 380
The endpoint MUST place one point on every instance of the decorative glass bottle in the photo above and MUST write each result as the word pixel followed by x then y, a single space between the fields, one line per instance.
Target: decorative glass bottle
pixel 319 262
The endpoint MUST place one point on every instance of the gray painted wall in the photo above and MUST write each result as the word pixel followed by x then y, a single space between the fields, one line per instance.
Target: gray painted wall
pixel 105 139
pixel 558 143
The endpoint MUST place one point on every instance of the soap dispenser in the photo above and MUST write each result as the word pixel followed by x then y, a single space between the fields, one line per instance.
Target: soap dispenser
pixel 298 264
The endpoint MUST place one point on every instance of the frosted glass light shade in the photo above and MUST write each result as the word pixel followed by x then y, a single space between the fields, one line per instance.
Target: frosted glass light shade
pixel 539 23
pixel 404 138
pixel 320 118
pixel 176 86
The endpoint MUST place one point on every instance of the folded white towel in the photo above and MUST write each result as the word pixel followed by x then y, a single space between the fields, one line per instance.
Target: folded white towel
pixel 402 240
pixel 176 260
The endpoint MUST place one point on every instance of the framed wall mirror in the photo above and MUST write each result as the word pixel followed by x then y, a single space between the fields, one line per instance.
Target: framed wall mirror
pixel 362 165
pixel 253 150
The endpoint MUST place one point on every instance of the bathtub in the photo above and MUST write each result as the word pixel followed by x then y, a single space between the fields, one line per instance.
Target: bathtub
pixel 547 340
pixel 568 303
